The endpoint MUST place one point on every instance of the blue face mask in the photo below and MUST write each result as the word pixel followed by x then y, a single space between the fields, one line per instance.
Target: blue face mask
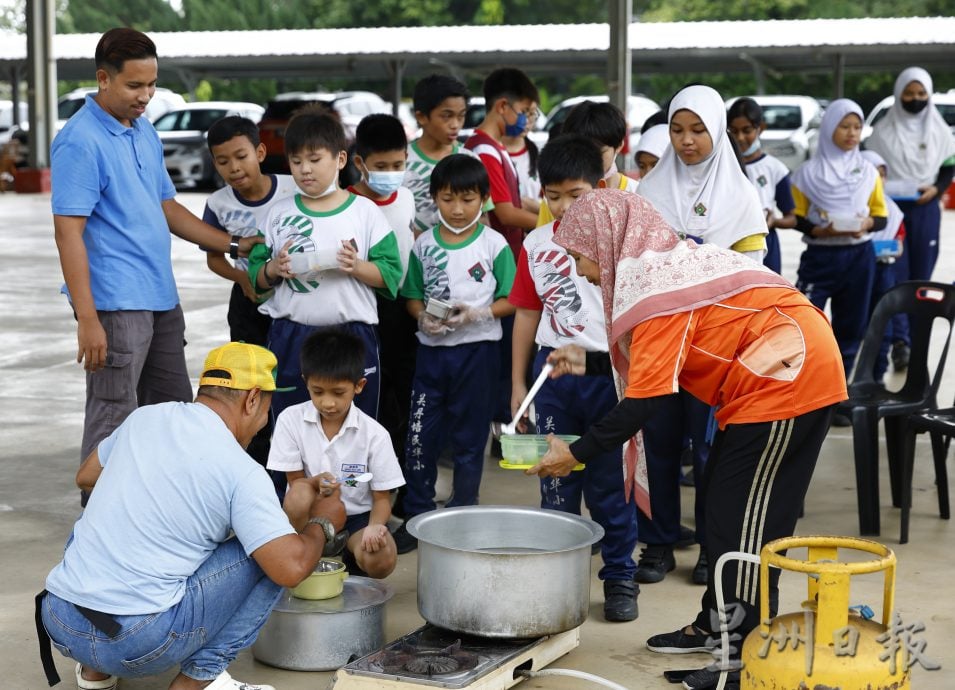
pixel 385 182
pixel 752 149
pixel 517 129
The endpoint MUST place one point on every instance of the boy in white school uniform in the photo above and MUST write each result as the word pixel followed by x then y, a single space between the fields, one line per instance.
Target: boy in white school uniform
pixel 331 437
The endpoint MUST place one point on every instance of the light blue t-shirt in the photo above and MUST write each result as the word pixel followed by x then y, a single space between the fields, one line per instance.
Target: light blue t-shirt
pixel 175 483
pixel 114 176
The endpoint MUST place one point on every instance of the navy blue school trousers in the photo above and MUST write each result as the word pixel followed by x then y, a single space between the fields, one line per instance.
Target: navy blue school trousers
pixel 452 400
pixel 773 259
pixel 664 437
pixel 883 281
pixel 922 223
pixel 843 274
pixel 286 338
pixel 570 405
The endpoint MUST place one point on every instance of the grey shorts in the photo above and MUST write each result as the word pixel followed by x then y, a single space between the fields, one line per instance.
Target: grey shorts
pixel 145 364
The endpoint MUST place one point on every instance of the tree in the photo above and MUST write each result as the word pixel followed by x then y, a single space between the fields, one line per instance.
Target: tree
pixel 96 16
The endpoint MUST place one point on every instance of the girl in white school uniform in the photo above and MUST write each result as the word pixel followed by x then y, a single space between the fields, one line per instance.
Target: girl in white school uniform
pixel 917 146
pixel 699 187
pixel 698 184
pixel 839 203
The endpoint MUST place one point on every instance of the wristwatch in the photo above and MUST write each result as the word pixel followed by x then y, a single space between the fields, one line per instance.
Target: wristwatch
pixel 234 247
pixel 327 526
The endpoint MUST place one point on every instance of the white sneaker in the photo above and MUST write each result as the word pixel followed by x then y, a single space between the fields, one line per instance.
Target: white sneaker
pixel 83 684
pixel 226 682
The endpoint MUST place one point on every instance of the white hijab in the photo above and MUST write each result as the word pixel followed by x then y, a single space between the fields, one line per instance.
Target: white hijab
pixel 913 145
pixel 655 140
pixel 837 181
pixel 895 213
pixel 712 200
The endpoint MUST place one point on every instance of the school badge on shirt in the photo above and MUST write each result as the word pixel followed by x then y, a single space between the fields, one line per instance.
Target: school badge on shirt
pixel 477 272
pixel 699 209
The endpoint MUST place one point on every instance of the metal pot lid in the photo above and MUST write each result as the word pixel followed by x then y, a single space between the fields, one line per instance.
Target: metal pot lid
pixel 357 593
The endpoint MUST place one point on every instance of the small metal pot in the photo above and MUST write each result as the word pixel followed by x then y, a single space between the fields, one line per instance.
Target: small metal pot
pixel 325 634
pixel 504 571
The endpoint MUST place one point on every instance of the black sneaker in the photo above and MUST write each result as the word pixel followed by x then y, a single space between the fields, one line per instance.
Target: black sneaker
pixel 704 679
pixel 403 540
pixel 900 355
pixel 679 642
pixel 654 564
pixel 620 600
pixel 701 570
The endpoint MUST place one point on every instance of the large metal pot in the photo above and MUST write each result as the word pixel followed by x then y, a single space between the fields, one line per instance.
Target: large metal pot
pixel 504 571
pixel 325 634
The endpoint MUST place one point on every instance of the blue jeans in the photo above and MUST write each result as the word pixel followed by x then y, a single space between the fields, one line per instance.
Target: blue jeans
pixel 226 602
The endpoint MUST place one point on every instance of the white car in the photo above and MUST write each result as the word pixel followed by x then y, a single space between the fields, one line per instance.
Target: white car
pixel 183 135
pixel 639 108
pixel 792 127
pixel 944 102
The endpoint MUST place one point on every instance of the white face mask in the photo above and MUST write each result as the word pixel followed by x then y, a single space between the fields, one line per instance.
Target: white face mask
pixel 333 187
pixel 458 231
pixel 752 149
pixel 611 171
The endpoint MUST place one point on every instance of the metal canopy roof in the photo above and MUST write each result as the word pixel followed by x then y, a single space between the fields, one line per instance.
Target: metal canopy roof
pixel 782 46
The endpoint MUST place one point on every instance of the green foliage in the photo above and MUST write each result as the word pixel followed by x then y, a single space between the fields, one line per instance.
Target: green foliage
pixel 96 16
pixel 203 90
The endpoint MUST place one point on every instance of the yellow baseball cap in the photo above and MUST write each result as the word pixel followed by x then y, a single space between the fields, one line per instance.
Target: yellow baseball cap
pixel 241 366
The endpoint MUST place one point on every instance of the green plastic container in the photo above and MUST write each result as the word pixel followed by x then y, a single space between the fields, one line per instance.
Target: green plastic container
pixel 521 451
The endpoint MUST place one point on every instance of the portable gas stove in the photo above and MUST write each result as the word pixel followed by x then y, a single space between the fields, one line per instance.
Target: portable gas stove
pixel 434 657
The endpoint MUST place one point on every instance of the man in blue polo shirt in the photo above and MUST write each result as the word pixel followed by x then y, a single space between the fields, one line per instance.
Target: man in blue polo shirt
pixel 113 210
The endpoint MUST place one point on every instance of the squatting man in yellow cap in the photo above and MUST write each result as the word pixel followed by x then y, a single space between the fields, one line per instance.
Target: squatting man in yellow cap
pixel 151 577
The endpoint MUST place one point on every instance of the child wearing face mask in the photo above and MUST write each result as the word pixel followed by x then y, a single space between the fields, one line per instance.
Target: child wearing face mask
pixel 606 125
pixel 839 203
pixel 459 276
pixel 769 175
pixel 919 150
pixel 380 156
pixel 327 251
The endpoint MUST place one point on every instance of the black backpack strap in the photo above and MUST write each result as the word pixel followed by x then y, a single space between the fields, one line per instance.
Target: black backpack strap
pixel 46 648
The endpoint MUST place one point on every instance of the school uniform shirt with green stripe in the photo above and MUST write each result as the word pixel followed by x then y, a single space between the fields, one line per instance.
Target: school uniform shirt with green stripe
pixel 332 296
pixel 475 273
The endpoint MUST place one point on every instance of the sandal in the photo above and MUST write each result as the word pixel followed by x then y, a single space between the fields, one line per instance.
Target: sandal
pixel 83 684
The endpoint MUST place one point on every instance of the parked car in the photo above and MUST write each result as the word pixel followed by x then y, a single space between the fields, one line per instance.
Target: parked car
pixel 68 104
pixel 183 135
pixel 945 102
pixel 639 108
pixel 792 127
pixel 351 107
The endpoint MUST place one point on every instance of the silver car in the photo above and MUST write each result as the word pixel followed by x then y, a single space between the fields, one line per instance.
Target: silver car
pixel 183 135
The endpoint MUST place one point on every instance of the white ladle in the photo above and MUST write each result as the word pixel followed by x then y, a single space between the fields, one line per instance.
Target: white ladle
pixel 512 427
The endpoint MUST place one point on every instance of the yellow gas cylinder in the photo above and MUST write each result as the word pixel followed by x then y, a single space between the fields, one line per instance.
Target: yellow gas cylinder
pixel 825 645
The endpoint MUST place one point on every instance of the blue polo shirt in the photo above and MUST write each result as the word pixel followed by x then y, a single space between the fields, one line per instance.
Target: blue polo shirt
pixel 114 176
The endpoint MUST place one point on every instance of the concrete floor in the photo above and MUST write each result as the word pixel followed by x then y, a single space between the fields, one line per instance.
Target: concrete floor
pixel 42 404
